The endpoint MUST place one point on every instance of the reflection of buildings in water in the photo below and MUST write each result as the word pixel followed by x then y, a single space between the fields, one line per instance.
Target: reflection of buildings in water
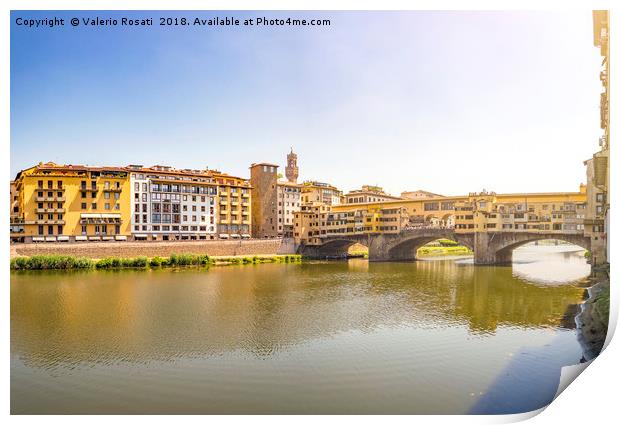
pixel 358 265
pixel 139 317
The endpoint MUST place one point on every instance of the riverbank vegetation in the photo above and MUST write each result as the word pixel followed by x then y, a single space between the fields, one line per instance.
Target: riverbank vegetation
pixel 64 262
pixel 443 247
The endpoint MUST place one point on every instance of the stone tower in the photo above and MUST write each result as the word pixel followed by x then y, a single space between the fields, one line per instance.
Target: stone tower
pixel 291 170
pixel 264 182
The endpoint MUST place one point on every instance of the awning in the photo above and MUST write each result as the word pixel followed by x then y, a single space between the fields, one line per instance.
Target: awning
pixel 140 235
pixel 121 238
pixel 63 238
pixel 90 215
pixel 105 215
pixel 81 238
pixel 108 238
pixel 246 236
pixel 37 239
pixel 223 236
pixel 50 238
pixel 235 236
pixel 94 238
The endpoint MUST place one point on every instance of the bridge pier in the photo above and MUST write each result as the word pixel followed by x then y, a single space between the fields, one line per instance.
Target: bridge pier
pixel 379 250
pixel 486 253
pixel 598 251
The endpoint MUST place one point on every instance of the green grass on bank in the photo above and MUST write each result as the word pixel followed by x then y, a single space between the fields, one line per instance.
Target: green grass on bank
pixel 51 262
pixel 444 250
pixel 65 262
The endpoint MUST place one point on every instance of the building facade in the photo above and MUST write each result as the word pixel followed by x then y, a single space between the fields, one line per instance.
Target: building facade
pixel 484 212
pixel 235 206
pixel 561 213
pixel 597 167
pixel 317 220
pixel 72 203
pixel 289 202
pixel 264 182
pixel 368 194
pixel 170 204
pixel 158 203
pixel 309 223
pixel 313 191
pixel 17 228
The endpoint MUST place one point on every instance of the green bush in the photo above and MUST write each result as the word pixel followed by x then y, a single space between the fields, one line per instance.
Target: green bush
pixel 50 262
pixel 140 262
pixel 116 263
pixel 447 242
pixel 104 263
pixel 187 260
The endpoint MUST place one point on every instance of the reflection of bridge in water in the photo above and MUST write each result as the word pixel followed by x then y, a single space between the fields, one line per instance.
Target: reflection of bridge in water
pixel 488 247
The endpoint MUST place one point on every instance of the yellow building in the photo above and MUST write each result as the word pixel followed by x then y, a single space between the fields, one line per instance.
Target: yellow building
pixel 561 212
pixel 313 191
pixel 368 194
pixel 532 213
pixel 235 205
pixel 316 220
pixel 72 203
pixel 309 223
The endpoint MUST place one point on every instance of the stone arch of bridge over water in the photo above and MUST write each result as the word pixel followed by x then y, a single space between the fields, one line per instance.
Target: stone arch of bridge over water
pixel 503 250
pixel 338 247
pixel 406 249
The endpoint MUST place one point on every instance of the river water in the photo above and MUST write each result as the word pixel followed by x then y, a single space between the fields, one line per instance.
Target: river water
pixel 440 336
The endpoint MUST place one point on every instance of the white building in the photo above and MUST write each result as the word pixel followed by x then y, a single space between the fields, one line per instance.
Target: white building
pixel 170 204
pixel 289 201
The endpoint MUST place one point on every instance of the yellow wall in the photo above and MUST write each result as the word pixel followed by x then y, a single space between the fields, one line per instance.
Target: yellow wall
pixel 71 201
pixel 416 207
pixel 227 200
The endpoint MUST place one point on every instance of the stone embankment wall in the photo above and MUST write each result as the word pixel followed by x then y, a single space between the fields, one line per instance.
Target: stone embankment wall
pixel 153 249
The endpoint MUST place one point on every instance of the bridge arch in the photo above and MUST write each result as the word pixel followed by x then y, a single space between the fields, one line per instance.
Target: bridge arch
pixel 432 220
pixel 338 247
pixel 405 248
pixel 501 249
pixel 448 220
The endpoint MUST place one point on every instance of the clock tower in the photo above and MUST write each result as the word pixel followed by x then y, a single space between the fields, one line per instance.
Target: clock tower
pixel 291 169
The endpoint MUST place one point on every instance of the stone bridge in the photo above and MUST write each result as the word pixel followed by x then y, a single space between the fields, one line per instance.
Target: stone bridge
pixel 488 247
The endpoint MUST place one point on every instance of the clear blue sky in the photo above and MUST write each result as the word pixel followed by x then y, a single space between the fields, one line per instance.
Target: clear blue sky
pixel 442 101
